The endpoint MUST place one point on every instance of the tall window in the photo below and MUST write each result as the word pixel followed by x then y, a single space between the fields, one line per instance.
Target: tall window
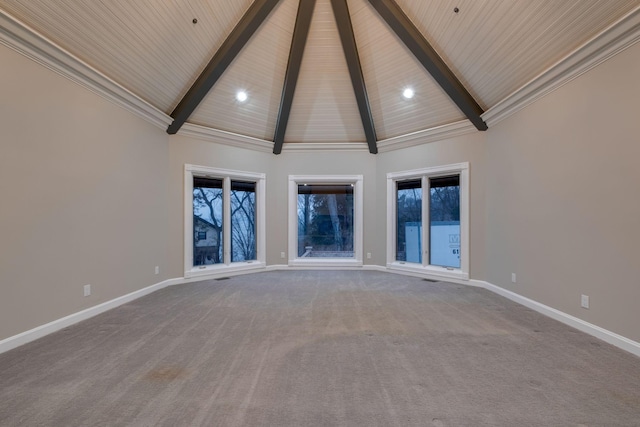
pixel 428 214
pixel 325 220
pixel 325 223
pixel 409 220
pixel 224 220
pixel 243 221
pixel 207 221
pixel 444 221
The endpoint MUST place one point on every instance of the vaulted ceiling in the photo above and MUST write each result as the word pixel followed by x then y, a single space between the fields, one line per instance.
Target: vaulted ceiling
pixel 320 71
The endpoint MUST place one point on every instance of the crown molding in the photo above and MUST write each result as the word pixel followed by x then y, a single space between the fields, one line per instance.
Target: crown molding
pixel 437 133
pixel 310 147
pixel 257 144
pixel 45 52
pixel 613 40
pixel 616 38
pixel 226 138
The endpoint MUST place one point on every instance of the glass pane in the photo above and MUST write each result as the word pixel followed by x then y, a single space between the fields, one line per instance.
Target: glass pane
pixel 207 221
pixel 444 218
pixel 409 221
pixel 243 221
pixel 325 221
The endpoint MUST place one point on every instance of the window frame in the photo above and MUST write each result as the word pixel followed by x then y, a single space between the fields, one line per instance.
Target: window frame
pixel 227 175
pixel 424 174
pixel 358 218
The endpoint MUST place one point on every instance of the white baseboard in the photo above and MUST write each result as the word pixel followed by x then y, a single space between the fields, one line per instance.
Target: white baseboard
pixel 612 338
pixel 280 267
pixel 375 268
pixel 586 327
pixel 51 327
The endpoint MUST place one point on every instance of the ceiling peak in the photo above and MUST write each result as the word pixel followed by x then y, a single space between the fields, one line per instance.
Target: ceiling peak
pixel 240 35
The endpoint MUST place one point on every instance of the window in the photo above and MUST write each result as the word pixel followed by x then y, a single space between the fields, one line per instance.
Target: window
pixel 409 221
pixel 224 220
pixel 444 221
pixel 325 220
pixel 207 219
pixel 428 220
pixel 243 221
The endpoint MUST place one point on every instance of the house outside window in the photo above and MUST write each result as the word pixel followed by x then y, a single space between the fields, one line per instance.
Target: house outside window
pixel 428 220
pixel 224 220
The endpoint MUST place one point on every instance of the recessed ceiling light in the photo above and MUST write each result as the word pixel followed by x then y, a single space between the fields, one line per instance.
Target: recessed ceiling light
pixel 408 93
pixel 241 96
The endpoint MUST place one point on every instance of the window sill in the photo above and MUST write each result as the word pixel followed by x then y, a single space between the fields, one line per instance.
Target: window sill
pixel 429 271
pixel 221 269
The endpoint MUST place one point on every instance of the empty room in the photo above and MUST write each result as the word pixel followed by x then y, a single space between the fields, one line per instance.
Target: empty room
pixel 319 213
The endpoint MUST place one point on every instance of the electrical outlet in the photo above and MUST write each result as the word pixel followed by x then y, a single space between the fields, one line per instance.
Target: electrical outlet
pixel 87 290
pixel 157 269
pixel 513 277
pixel 282 255
pixel 368 255
pixel 584 301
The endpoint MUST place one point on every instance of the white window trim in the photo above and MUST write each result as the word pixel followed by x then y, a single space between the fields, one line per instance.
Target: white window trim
pixel 357 181
pixel 227 266
pixel 425 268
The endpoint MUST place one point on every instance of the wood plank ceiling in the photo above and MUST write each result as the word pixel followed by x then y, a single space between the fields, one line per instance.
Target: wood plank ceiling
pixel 156 50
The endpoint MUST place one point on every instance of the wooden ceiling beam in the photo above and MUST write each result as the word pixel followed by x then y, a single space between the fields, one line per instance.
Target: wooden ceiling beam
pixel 430 60
pixel 240 35
pixel 345 29
pixel 298 43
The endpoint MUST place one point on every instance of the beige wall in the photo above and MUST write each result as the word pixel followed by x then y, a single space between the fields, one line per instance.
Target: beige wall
pixel 372 167
pixel 277 169
pixel 467 148
pixel 82 197
pixel 186 150
pixel 323 163
pixel 563 210
pixel 91 194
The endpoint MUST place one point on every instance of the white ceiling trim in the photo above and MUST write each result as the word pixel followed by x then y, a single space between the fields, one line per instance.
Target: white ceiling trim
pixel 619 36
pixel 17 36
pixel 257 144
pixel 226 138
pixel 437 133
pixel 613 40
pixel 310 147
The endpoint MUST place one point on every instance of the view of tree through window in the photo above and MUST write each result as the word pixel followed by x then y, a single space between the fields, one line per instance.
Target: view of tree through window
pixel 243 221
pixel 207 221
pixel 208 212
pixel 409 221
pixel 325 220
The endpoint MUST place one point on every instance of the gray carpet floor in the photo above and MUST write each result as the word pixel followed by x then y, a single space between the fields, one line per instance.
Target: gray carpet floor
pixel 319 348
